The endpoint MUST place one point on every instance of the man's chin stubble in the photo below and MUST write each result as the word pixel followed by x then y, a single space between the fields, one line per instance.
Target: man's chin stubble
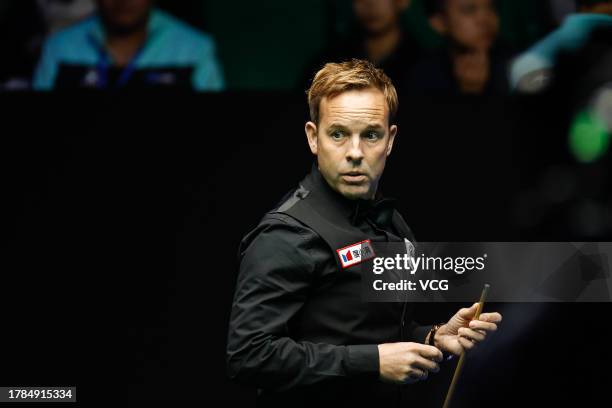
pixel 354 195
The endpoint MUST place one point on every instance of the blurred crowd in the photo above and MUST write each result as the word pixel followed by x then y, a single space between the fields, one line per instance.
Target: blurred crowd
pixel 109 44
pixel 444 46
pixel 559 48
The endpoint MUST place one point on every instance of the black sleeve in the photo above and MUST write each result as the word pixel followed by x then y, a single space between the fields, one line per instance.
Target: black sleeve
pixel 275 276
pixel 417 333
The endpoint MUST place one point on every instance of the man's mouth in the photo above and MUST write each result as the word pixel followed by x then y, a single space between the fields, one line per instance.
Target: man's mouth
pixel 353 177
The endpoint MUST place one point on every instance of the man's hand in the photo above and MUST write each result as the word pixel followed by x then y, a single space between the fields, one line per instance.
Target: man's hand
pixel 406 363
pixel 463 332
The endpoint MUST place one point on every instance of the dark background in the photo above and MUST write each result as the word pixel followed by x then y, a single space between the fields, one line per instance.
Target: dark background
pixel 125 212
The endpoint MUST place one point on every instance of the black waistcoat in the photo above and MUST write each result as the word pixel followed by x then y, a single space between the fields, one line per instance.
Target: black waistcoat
pixel 338 291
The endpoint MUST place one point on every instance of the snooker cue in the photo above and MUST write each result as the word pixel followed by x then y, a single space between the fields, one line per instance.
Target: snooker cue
pixel 459 367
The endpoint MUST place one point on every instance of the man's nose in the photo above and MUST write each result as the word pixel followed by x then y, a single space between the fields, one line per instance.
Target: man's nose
pixel 354 153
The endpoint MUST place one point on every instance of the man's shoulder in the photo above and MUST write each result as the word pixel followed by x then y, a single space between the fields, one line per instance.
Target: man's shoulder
pixel 274 218
pixel 281 240
pixel 75 36
pixel 181 34
pixel 280 225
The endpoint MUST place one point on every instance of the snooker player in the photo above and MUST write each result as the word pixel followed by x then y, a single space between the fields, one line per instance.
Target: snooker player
pixel 299 330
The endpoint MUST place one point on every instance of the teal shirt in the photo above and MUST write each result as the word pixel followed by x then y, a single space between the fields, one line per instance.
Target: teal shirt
pixel 572 35
pixel 170 43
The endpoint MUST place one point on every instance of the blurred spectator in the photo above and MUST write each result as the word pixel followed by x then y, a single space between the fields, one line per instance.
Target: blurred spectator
pixel 58 14
pixel 378 37
pixel 24 25
pixel 129 43
pixel 533 71
pixel 471 60
pixel 583 79
pixel 570 190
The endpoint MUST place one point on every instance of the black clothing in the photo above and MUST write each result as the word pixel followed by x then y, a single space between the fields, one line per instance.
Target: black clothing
pixel 299 330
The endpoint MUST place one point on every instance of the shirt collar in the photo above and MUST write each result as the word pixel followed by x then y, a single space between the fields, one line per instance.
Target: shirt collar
pixel 379 210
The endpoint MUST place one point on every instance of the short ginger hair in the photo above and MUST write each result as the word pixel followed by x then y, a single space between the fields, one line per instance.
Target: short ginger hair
pixel 335 78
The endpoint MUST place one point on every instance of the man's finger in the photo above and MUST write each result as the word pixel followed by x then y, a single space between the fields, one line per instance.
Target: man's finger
pixel 466 344
pixel 471 334
pixel 468 312
pixel 418 374
pixel 430 352
pixel 493 317
pixel 426 364
pixel 480 325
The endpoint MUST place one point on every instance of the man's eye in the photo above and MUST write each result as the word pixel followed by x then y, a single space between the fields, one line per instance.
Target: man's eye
pixel 337 134
pixel 373 135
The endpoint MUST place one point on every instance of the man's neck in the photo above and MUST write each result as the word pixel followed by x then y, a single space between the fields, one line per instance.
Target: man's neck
pixel 381 45
pixel 123 47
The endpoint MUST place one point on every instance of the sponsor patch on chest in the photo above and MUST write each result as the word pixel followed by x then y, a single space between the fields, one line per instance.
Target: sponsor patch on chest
pixel 355 253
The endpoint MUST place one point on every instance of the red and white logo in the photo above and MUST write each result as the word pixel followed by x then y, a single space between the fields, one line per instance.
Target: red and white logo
pixel 355 253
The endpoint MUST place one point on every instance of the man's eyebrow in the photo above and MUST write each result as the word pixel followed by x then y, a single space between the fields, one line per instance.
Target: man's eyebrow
pixel 375 126
pixel 369 126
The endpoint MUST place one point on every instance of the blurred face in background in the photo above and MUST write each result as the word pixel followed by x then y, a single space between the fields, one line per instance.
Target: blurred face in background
pixel 352 141
pixel 125 16
pixel 470 24
pixel 602 7
pixel 379 16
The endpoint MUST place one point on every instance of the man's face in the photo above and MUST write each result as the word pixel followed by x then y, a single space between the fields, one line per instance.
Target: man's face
pixel 352 141
pixel 125 15
pixel 472 24
pixel 378 16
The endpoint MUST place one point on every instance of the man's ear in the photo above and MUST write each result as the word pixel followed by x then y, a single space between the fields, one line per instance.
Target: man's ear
pixel 392 134
pixel 311 135
pixel 438 23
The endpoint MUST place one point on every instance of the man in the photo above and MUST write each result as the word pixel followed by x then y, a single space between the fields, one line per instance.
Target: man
pixel 378 37
pixel 534 70
pixel 471 60
pixel 129 44
pixel 299 330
